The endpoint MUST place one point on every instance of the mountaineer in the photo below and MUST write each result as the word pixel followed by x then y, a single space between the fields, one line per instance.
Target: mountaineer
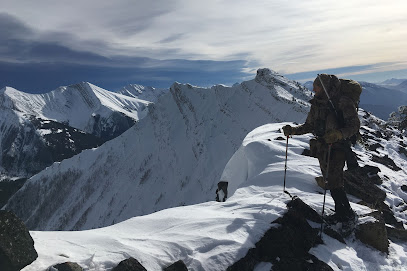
pixel 334 121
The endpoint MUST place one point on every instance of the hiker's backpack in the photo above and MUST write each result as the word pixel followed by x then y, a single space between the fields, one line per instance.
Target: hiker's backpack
pixel 344 87
pixel 351 89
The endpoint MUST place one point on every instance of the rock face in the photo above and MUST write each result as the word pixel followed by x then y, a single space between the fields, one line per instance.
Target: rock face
pixel 177 266
pixel 68 266
pixel 373 232
pixel 286 246
pixel 16 245
pixel 130 264
pixel 363 182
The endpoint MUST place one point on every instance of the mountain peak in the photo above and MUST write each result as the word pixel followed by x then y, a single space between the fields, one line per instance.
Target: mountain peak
pixel 266 73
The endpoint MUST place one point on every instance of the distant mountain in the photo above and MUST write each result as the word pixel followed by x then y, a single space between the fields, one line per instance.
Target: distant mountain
pixel 381 101
pixel 402 86
pixel 83 106
pixel 392 82
pixel 309 85
pixel 142 92
pixel 39 129
pixel 172 157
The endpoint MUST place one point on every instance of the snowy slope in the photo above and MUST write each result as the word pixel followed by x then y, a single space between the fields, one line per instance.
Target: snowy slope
pixel 172 157
pixel 77 105
pixel 212 236
pixel 39 129
pixel 150 94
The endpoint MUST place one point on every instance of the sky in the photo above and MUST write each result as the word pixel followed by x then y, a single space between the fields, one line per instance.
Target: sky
pixel 45 44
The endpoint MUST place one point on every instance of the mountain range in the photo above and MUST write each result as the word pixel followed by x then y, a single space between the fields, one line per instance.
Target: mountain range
pixel 39 129
pixel 172 157
pixel 150 191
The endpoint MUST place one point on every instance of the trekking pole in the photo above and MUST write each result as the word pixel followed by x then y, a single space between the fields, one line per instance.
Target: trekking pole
pixel 327 94
pixel 325 185
pixel 285 167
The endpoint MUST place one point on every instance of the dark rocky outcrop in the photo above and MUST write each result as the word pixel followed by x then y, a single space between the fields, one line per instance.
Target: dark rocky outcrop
pixel 396 234
pixel 8 188
pixel 16 244
pixel 68 266
pixel 373 233
pixel 387 161
pixel 129 264
pixel 362 183
pixel 287 242
pixel 177 266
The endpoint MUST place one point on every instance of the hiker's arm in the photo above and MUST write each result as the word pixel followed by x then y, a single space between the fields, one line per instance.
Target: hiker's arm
pixel 307 127
pixel 351 118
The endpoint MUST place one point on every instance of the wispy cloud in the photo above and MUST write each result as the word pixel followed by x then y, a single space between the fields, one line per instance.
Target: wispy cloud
pixel 291 37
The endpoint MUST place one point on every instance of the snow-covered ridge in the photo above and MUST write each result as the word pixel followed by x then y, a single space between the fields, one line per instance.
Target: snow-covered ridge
pixel 173 157
pixel 88 116
pixel 76 104
pixel 212 235
pixel 142 92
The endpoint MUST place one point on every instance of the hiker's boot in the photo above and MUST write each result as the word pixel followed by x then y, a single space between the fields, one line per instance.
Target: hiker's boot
pixel 320 181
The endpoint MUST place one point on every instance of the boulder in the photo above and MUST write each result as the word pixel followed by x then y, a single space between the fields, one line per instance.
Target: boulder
pixel 371 230
pixel 177 266
pixel 396 234
pixel 362 183
pixel 129 264
pixel 387 161
pixel 68 266
pixel 16 244
pixel 287 242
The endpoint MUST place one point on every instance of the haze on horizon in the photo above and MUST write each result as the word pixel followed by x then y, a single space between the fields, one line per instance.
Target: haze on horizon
pixel 45 44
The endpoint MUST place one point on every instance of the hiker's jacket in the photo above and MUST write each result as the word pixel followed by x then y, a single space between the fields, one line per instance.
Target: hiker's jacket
pixel 322 119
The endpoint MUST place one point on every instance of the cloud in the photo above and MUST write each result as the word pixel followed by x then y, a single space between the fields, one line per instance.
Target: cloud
pixel 372 73
pixel 290 37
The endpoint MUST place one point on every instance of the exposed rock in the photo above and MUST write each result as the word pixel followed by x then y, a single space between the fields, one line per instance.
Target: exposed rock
pixel 222 191
pixel 312 263
pixel 334 234
pixel 68 266
pixel 387 161
pixel 177 266
pixel 396 234
pixel 374 147
pixel 362 184
pixel 404 188
pixel 8 188
pixel 373 232
pixel 16 245
pixel 287 245
pixel 130 264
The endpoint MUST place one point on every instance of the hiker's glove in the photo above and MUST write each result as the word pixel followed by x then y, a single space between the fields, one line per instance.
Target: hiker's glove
pixel 288 130
pixel 333 136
